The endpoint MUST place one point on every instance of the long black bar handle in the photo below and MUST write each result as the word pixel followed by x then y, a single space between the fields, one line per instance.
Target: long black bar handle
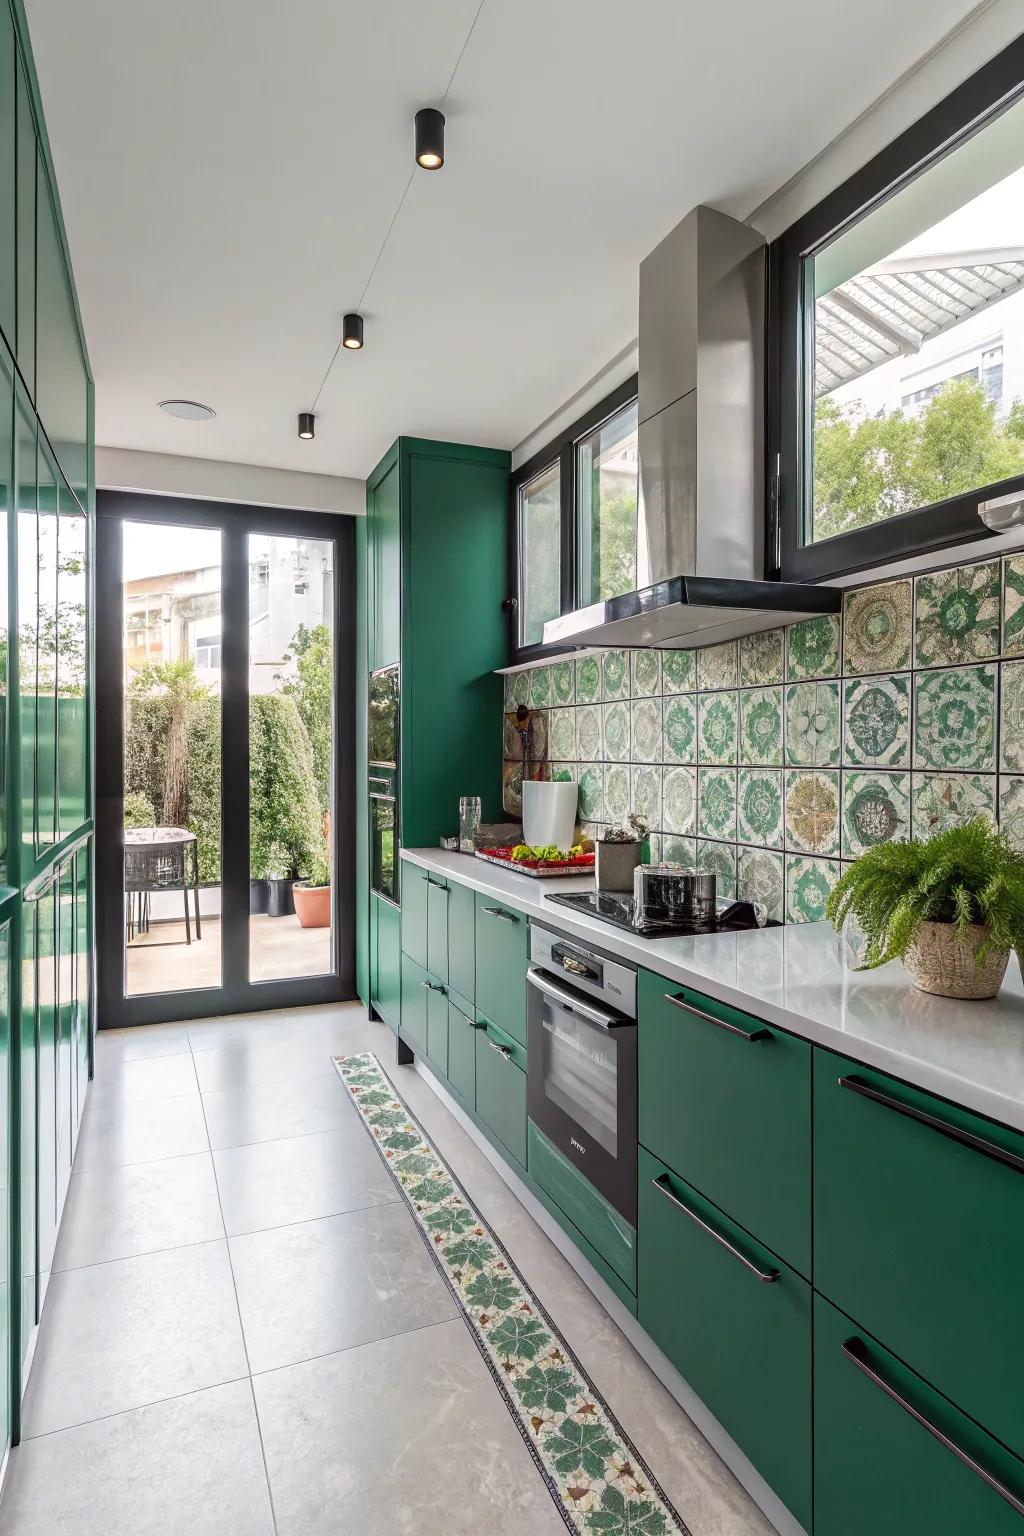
pixel 439 885
pixel 506 917
pixel 856 1353
pixel 661 1184
pixel 952 1132
pixel 750 1035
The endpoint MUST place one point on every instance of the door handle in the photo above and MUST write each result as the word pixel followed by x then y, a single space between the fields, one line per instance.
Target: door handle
pixel 661 1184
pixel 499 912
pixel 502 1050
pixel 571 1002
pixel 749 1035
pixel 857 1355
pixel 439 885
pixel 990 1149
pixel 433 986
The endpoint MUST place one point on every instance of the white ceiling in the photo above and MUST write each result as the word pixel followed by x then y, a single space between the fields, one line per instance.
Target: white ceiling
pixel 229 170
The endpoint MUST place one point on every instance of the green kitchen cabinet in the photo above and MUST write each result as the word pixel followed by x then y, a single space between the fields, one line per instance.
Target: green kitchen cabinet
pixel 48 1053
pixel 726 1102
pixel 72 650
pixel 606 1231
pixel 734 1321
pixel 414 1004
pixel 501 1089
pixel 878 1468
pixel 502 956
pixel 462 1033
pixel 383 510
pixel 437 1025
pixel 919 1234
pixel 28 1143
pixel 462 942
pixel 44 620
pixel 26 231
pixel 437 927
pixel 8 181
pixel 387 960
pixel 8 1356
pixel 414 913
pixel 62 380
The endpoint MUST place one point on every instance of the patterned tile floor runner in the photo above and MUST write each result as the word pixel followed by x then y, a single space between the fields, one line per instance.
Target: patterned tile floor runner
pixel 592 1471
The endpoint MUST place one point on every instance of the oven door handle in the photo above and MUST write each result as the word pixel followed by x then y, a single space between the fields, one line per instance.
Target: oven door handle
pixel 570 1001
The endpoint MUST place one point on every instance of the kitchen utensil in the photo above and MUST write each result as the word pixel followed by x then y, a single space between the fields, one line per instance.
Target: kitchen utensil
pixel 549 812
pixel 672 893
pixel 469 823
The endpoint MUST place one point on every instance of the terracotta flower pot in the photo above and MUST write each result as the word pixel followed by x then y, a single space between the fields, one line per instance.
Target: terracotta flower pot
pixel 938 960
pixel 312 905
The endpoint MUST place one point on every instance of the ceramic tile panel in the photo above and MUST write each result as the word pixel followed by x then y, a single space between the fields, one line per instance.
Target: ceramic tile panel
pixel 645 672
pixel 591 783
pixel 646 729
pixel 718 666
pixel 540 687
pixel 761 726
pixel 876 809
pixel 563 682
pixel 956 615
pixel 679 716
pixel 812 648
pixel 955 718
pixel 759 807
pixel 876 721
pixel 809 883
pixel 678 671
pixel 942 800
pixel 813 728
pixel 761 876
pixel 562 735
pixel 762 658
pixel 615 732
pixel 615 675
pixel 1011 810
pixel 717 727
pixel 721 858
pixel 679 801
pixel 1013 605
pixel 716 803
pixel 877 628
pixel 588 680
pixel 645 794
pixel 812 811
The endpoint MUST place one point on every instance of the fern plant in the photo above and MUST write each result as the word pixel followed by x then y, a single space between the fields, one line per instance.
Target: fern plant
pixel 965 875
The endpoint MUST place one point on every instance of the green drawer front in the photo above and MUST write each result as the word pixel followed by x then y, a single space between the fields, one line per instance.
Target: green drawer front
pixel 462 941
pixel 414 913
pixel 877 1470
pixel 743 1345
pixel 502 955
pixel 437 927
pixel 501 1089
pixel 726 1102
pixel 437 1026
pixel 387 973
pixel 414 1004
pixel 920 1237
pixel 462 1055
pixel 608 1232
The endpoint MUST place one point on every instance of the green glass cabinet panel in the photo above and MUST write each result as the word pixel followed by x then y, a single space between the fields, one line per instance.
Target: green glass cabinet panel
pixel 28 1148
pixel 48 1028
pixel 730 1112
pixel 26 259
pixel 386 571
pixel 387 996
pixel 67 1091
pixel 62 388
pixel 462 1055
pixel 83 976
pixel 501 1089
pixel 414 1004
pixel 502 947
pixel 46 650
pixel 438 896
pixel 877 1469
pixel 6 1207
pixel 71 641
pixel 462 941
pixel 28 615
pixel 7 505
pixel 920 1236
pixel 362 859
pixel 437 1026
pixel 8 183
pixel 414 913
pixel 742 1343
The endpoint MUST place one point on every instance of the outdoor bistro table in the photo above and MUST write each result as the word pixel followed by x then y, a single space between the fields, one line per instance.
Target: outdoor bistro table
pixel 157 859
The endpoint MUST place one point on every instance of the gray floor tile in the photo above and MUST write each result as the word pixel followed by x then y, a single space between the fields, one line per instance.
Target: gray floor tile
pixel 269 1111
pixel 407 1434
pixel 229 1029
pixel 115 1133
pixel 120 1335
pixel 191 1465
pixel 244 1064
pixel 136 1080
pixel 113 1213
pixel 322 1286
pixel 148 1040
pixel 274 1182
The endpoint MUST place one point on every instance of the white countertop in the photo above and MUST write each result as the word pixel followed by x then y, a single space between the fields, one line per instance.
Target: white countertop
pixel 795 977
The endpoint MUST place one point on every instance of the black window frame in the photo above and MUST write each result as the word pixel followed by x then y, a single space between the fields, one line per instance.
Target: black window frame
pixel 968 109
pixel 561 450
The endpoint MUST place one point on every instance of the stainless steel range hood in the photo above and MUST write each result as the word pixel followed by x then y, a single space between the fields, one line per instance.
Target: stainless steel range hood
pixel 701 447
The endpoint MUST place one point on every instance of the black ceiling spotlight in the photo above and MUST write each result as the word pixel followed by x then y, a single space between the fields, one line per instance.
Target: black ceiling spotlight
pixel 429 139
pixel 306 419
pixel 352 332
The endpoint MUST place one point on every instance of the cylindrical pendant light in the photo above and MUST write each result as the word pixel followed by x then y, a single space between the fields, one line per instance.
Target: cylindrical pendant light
pixel 306 420
pixel 352 332
pixel 429 139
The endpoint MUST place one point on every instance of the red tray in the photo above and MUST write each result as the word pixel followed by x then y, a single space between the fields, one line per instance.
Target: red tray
pixel 582 864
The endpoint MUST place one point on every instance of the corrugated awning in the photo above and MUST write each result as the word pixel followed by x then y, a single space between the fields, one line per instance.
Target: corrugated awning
pixel 891 309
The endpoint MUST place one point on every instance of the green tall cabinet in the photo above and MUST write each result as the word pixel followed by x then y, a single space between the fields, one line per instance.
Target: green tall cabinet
pixel 433 575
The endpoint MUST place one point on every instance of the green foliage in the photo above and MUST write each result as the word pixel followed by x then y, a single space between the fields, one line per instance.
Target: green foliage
pixel 965 875
pixel 870 468
pixel 284 807
pixel 613 545
pixel 138 810
pixel 312 688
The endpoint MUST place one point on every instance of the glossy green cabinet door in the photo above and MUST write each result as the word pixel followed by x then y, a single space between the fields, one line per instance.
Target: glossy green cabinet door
pixel 501 1089
pixel 462 1055
pixel 6 956
pixel 437 927
pixel 386 572
pixel 26 259
pixel 877 1470
pixel 8 189
pixel 502 956
pixel 437 1026
pixel 920 1236
pixel 387 997
pixel 46 995
pixel 462 941
pixel 28 1145
pixel 736 1324
pixel 726 1103
pixel 414 1004
pixel 414 913
pixel 65 1027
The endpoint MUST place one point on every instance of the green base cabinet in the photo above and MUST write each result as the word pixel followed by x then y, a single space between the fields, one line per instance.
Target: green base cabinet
pixel 501 1089
pixel 462 1055
pixel 414 1005
pixel 502 955
pixel 437 927
pixel 385 970
pixel 742 1343
pixel 437 1026
pixel 609 1234
pixel 414 913
pixel 462 941
pixel 877 1470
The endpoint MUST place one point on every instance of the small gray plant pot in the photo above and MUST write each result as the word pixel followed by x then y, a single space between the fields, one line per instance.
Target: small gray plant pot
pixel 615 864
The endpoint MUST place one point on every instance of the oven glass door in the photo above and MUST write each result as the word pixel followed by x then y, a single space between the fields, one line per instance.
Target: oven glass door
pixel 382 718
pixel 383 847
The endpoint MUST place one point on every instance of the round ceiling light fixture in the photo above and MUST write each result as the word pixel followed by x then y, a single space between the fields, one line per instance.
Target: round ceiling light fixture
pixel 352 332
pixel 187 410
pixel 306 424
pixel 429 139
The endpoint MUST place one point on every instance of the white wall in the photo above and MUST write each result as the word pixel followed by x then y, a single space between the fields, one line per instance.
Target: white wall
pixel 168 474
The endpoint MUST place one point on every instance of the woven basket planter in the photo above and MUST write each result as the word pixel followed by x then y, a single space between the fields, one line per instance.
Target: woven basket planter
pixel 938 960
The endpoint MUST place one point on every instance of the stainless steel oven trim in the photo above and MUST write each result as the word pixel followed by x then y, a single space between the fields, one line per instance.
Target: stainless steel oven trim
pixel 573 1003
pixel 617 987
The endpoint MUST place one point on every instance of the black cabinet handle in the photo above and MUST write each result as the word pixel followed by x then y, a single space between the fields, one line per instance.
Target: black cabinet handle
pixel 502 1050
pixel 506 917
pixel 990 1149
pixel 750 1035
pixel 661 1184
pixel 857 1354
pixel 439 885
pixel 433 986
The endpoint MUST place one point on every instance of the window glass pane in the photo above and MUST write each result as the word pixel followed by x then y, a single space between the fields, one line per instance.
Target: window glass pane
pixel 46 650
pixel 61 381
pixel 28 616
pixel 72 639
pixel 606 479
pixel 916 340
pixel 540 564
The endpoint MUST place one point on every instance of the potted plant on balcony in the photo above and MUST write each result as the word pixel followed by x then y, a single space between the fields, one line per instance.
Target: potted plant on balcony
pixel 312 896
pixel 951 908
pixel 280 882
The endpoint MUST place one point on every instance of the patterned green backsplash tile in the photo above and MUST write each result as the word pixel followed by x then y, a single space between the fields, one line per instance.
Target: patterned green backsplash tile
pixel 877 721
pixel 876 809
pixel 517 689
pixel 588 680
pixel 761 726
pixel 645 795
pixel 1011 810
pixel 1011 718
pixel 646 669
pixel 563 682
pixel 761 658
pixel 615 732
pixel 954 718
pixel 537 737
pixel 1013 605
pixel 716 727
pixel 813 648
pixel 762 877
pixel 812 811
pixel 591 782
pixel 678 671
pixel 647 739
pixel 808 883
pixel 540 687
pixel 588 732
pixel 718 665
pixel 679 800
pixel 812 725
pixel 720 858
pixel 759 807
pixel 957 615
pixel 513 742
pixel 877 628
pixel 716 803
pixel 512 789
pixel 562 773
pixel 616 792
pixel 615 675
pixel 942 800
pixel 562 735
pixel 680 725
pixel 679 850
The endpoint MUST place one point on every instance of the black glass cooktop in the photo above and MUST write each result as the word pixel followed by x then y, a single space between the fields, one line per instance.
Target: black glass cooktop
pixel 731 917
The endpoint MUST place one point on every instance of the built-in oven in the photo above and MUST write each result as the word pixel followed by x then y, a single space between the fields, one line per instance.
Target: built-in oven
pixel 383 838
pixel 382 717
pixel 581 1061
